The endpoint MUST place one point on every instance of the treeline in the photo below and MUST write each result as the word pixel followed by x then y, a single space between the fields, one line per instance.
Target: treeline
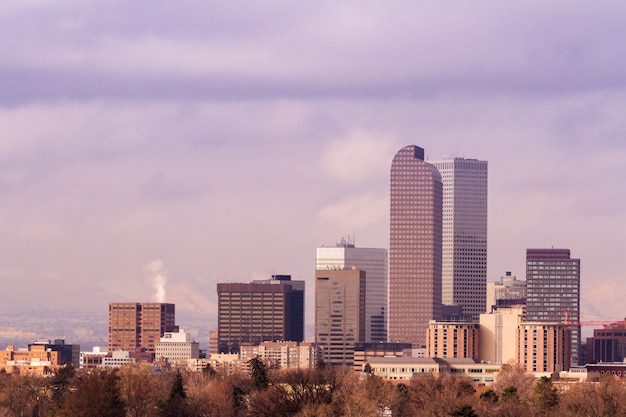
pixel 137 391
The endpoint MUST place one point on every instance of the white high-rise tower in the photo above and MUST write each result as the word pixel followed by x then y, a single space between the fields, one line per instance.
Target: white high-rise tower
pixel 374 262
pixel 464 246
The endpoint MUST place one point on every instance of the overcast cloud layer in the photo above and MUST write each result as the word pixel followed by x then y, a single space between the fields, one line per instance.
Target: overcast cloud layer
pixel 225 141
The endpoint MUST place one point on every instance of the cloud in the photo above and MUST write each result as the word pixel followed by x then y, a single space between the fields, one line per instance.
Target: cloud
pixel 354 212
pixel 358 156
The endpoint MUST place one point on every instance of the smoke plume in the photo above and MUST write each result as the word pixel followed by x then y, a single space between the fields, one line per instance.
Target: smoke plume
pixel 158 278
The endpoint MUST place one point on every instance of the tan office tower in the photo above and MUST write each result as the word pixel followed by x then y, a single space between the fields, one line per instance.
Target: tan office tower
pixel 374 262
pixel 464 247
pixel 415 233
pixel 339 314
pixel 135 326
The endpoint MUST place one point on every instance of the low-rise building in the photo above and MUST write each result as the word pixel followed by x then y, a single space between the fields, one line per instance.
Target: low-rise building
pixel 92 359
pixel 363 352
pixel 406 368
pixel 283 354
pixel 177 347
pixel 117 359
pixel 36 360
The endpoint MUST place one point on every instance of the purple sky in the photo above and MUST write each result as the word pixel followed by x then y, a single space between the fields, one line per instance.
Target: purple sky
pixel 227 140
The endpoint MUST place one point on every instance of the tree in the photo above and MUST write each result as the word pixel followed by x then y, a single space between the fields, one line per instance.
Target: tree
pixel 175 405
pixel 94 394
pixel 258 372
pixel 546 397
pixel 20 395
pixel 141 390
pixel 464 410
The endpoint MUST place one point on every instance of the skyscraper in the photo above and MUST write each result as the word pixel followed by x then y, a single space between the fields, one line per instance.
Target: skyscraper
pixel 261 311
pixel 553 287
pixel 374 262
pixel 339 314
pixel 139 325
pixel 464 249
pixel 415 233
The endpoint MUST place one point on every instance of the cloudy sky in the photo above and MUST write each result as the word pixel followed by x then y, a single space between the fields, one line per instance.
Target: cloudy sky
pixel 211 141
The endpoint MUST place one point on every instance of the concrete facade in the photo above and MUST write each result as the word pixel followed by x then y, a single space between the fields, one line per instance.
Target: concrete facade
pixel 498 335
pixel 177 347
pixel 452 340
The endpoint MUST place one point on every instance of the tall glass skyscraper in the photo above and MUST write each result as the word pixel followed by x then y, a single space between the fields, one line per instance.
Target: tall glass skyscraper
pixel 464 248
pixel 553 287
pixel 415 233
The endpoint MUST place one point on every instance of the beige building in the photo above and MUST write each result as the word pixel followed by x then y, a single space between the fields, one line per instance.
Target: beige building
pixel 508 292
pixel 339 314
pixel 452 340
pixel 375 264
pixel 283 354
pixel 543 347
pixel 177 347
pixel 36 360
pixel 407 368
pixel 222 363
pixel 363 352
pixel 498 335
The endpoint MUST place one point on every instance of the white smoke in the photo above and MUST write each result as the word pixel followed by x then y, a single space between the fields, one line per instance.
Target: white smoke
pixel 158 278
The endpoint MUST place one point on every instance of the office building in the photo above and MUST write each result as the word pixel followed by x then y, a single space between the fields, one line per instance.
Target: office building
pixel 450 340
pixel 464 244
pixel 508 292
pixel 543 347
pixel 609 343
pixel 68 354
pixel 374 262
pixel 553 288
pixel 177 347
pixel 415 239
pixel 139 326
pixel 339 314
pixel 260 311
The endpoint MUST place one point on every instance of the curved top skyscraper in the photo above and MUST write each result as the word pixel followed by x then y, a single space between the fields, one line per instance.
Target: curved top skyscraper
pixel 415 245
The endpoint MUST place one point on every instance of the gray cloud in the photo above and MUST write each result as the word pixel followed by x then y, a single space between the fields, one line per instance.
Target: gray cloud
pixel 230 139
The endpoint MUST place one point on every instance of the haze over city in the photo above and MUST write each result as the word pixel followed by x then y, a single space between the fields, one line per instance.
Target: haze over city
pixel 149 151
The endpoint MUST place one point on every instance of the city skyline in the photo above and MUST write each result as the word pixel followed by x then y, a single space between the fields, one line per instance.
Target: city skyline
pixel 228 142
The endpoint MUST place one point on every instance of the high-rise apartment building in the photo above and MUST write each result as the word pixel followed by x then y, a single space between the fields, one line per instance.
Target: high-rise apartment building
pixel 415 234
pixel 374 262
pixel 553 288
pixel 135 326
pixel 464 247
pixel 543 347
pixel 453 340
pixel 260 311
pixel 339 314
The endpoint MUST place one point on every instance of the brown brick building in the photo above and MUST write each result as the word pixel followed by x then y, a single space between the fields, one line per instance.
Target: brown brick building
pixel 135 326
